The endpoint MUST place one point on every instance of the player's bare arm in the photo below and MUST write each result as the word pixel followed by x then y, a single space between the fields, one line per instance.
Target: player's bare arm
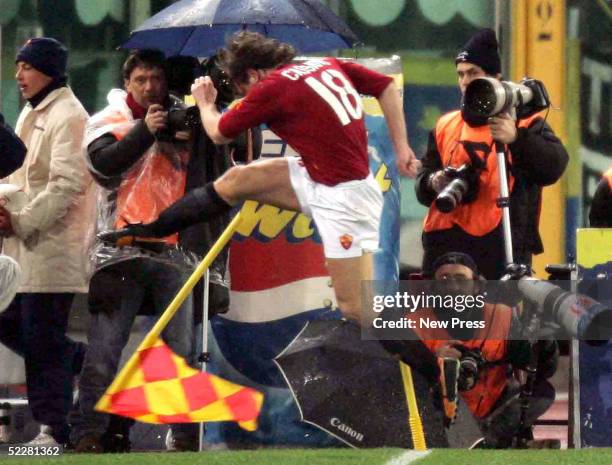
pixel 391 104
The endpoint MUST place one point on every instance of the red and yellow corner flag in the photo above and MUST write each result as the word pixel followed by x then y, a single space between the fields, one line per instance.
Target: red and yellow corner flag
pixel 160 387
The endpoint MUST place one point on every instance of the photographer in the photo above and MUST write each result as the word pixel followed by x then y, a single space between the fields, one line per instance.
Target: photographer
pixel 536 158
pixel 142 167
pixel 487 356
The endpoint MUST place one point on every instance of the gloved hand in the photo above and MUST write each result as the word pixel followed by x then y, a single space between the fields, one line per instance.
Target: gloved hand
pixel 126 236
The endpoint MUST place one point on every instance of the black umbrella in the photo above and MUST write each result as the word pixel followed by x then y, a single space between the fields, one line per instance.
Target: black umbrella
pixel 200 27
pixel 353 389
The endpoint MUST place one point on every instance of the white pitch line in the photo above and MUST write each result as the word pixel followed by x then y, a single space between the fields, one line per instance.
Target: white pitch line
pixel 408 457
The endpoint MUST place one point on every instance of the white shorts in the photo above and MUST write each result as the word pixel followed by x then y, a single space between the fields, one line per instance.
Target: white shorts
pixel 347 215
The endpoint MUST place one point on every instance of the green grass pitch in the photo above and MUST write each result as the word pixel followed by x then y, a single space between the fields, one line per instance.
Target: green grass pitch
pixel 332 457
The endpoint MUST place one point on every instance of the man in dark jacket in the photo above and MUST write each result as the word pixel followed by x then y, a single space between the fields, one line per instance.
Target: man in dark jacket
pixel 12 150
pixel 535 158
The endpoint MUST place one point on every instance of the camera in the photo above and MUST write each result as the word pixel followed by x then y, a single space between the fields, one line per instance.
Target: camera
pixel 225 89
pixel 470 364
pixel 462 188
pixel 180 118
pixel 485 97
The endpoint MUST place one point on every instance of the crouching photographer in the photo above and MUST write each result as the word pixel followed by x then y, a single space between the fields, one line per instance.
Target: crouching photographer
pixel 460 178
pixel 478 361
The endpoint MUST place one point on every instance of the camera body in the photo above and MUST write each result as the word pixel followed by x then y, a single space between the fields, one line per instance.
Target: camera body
pixel 225 88
pixel 486 96
pixel 462 188
pixel 470 364
pixel 181 117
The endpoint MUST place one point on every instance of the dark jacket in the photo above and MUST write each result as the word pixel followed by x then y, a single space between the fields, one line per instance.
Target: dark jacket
pixel 538 159
pixel 12 149
pixel 600 214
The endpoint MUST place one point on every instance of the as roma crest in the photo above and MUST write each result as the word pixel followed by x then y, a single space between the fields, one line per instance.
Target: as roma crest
pixel 346 241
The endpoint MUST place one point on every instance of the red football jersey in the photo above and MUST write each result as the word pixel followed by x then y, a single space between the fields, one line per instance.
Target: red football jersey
pixel 315 107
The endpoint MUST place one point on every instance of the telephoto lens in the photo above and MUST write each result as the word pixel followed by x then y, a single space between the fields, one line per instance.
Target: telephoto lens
pixel 486 96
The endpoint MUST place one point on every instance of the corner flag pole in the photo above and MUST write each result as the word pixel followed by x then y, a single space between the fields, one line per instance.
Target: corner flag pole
pixel 180 297
pixel 205 315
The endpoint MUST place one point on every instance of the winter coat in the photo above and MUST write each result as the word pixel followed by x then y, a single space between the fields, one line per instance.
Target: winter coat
pixel 49 241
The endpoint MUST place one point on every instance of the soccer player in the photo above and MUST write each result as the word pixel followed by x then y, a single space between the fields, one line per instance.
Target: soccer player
pixel 316 108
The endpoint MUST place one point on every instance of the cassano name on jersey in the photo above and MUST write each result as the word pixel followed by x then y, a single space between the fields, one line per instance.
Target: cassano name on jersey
pixel 295 72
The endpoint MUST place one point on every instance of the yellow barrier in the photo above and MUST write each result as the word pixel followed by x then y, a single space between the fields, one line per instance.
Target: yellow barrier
pixel 414 418
pixel 538 50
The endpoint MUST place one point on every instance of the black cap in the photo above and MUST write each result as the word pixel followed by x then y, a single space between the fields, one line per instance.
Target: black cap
pixel 45 54
pixel 482 50
pixel 456 258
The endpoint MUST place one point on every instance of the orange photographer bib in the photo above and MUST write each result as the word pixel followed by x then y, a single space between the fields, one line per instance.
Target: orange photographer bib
pixel 154 183
pixel 460 144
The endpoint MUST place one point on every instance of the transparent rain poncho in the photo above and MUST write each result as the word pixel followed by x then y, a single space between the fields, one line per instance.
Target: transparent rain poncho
pixel 150 185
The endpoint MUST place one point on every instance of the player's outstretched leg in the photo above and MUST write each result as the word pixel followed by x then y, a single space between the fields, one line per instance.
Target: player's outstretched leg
pixel 201 204
pixel 266 181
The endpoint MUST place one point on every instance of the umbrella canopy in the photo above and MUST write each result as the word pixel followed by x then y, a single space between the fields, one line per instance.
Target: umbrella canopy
pixel 200 27
pixel 353 389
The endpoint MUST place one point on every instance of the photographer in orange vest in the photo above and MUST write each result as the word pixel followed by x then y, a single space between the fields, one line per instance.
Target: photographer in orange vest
pixel 487 356
pixel 461 145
